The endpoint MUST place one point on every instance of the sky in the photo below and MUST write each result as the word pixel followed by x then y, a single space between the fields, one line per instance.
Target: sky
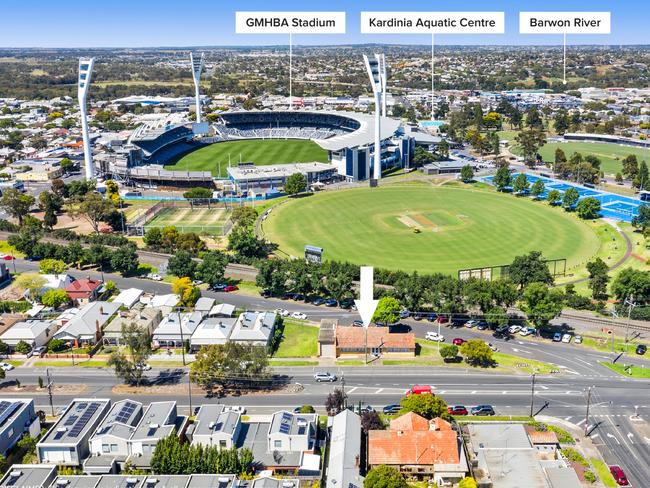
pixel 185 23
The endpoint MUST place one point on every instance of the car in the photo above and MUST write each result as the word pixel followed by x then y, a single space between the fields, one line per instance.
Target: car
pixel 434 336
pixel 282 312
pixel 471 323
pixel 417 316
pixel 8 257
pixel 154 277
pixel 329 377
pixel 266 293
pixel 39 351
pixel 457 410
pixel 431 317
pixel 557 337
pixel 318 301
pixel 482 410
pixel 6 366
pixel 566 338
pixel 197 282
pixel 492 346
pixel 458 341
pixel 392 409
pixel 235 408
pixel 346 303
pixel 513 329
pixel 357 323
pixel 482 325
pixel 619 475
pixel 299 316
pixel 641 349
pixel 230 288
pixel 526 331
pixel 331 302
pixel 578 340
pixel 404 314
pixel 219 286
pixel 298 297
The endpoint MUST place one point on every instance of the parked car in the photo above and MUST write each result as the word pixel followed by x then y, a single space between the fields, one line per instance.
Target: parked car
pixel 318 301
pixel 434 336
pixel 431 317
pixel 266 293
pixel 299 316
pixel 619 475
pixel 566 338
pixel 526 331
pixel 471 323
pixel 197 282
pixel 331 302
pixel 39 351
pixel 417 316
pixel 492 346
pixel 557 337
pixel 329 377
pixel 578 340
pixel 482 325
pixel 6 366
pixel 482 410
pixel 457 410
pixel 641 349
pixel 154 277
pixel 404 314
pixel 144 366
pixel 230 288
pixel 219 286
pixel 357 323
pixel 391 409
pixel 513 329
pixel 458 341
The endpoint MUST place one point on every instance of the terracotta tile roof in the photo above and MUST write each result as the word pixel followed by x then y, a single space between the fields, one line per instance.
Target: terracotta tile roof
pixel 82 288
pixel 377 336
pixel 547 437
pixel 412 439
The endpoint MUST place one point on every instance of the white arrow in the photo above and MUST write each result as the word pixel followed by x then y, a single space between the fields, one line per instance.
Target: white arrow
pixel 613 437
pixel 366 305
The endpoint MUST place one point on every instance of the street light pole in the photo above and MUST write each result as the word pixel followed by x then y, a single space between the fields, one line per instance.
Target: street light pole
pixel 180 328
pixel 532 395
pixel 588 404
pixel 630 304
pixel 49 389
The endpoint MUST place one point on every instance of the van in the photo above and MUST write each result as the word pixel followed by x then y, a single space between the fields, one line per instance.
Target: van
pixel 420 390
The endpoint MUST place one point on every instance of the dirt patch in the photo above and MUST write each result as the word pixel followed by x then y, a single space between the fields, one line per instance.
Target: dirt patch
pixel 63 389
pixel 409 222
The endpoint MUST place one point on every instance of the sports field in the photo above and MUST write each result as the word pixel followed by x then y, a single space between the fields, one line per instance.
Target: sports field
pixel 202 220
pixel 458 228
pixel 215 157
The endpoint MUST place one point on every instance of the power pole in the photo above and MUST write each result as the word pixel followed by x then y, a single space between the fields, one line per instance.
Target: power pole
pixel 180 328
pixel 588 404
pixel 532 394
pixel 49 389
pixel 345 400
pixel 630 305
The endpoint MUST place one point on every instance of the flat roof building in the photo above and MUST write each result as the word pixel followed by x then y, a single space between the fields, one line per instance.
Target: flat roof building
pixel 17 416
pixel 215 427
pixel 29 476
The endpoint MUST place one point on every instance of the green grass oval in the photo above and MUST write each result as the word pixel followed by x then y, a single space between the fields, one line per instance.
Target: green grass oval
pixel 459 228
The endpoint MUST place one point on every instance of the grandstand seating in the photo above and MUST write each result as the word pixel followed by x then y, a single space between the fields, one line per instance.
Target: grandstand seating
pixel 151 141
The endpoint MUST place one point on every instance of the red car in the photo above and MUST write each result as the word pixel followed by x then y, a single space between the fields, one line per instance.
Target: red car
pixel 619 475
pixel 8 257
pixel 457 410
pixel 231 288
pixel 458 341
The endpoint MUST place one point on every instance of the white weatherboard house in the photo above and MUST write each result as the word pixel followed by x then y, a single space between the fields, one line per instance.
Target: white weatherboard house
pixel 176 328
pixel 254 328
pixel 36 333
pixel 85 328
pixel 215 427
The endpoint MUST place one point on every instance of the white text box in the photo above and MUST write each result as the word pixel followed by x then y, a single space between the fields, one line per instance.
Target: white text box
pixel 432 22
pixel 564 22
pixel 290 22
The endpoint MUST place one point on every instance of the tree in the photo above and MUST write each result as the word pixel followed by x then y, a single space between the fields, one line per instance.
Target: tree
pixel 497 316
pixel 630 167
pixel 467 173
pixel 521 184
pixel 182 265
pixel 529 268
pixel 387 311
pixel 632 283
pixel 598 278
pixel 50 219
pixel 530 142
pixel 588 208
pixel 243 242
pixel 31 282
pixel 187 292
pixel 642 220
pixel 428 406
pixel 338 284
pixel 52 266
pixel 22 347
pixel 50 201
pixel 502 178
pixel 541 304
pixel 642 181
pixel 94 208
pixel 477 353
pixel 537 189
pixel 129 362
pixel 55 298
pixel 295 183
pixel 56 345
pixel 212 268
pixel 198 193
pixel 468 482
pixel 384 477
pixel 16 204
pixel 562 122
pixel 124 259
pixel 231 363
pixel 553 197
pixel 244 216
pixel 448 352
pixel 153 238
pixel 570 198
pixel 66 163
pixel 370 420
pixel 335 402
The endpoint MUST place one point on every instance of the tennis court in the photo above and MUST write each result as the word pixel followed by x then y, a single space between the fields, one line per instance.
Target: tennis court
pixel 185 219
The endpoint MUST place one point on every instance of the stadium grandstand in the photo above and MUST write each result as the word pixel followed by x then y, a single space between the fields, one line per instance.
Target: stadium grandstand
pixel 613 139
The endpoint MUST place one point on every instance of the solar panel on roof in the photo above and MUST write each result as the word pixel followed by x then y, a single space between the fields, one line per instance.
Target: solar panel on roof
pixel 7 409
pixel 83 420
pixel 71 420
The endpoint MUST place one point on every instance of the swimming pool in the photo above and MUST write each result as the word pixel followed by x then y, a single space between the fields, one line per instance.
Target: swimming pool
pixel 431 123
pixel 613 206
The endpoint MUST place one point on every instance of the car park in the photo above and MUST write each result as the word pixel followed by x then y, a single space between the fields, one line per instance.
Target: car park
pixel 392 409
pixel 457 410
pixel 299 316
pixel 619 475
pixel 458 341
pixel 6 366
pixel 434 336
pixel 329 377
pixel 577 339
pixel 557 337
pixel 482 410
pixel 566 338
pixel 641 349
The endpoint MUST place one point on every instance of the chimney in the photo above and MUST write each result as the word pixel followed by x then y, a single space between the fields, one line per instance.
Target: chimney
pixel 101 310
pixel 98 331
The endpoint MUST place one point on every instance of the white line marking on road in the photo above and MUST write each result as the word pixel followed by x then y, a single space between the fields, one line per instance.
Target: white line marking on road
pixel 543 387
pixel 473 393
pixel 581 422
pixel 614 437
pixel 379 391
pixel 351 390
pixel 593 436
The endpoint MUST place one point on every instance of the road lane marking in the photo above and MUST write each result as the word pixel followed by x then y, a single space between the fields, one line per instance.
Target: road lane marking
pixel 614 437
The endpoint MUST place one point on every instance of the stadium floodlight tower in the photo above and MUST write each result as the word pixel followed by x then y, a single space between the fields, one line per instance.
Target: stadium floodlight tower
pixel 197 67
pixel 384 79
pixel 374 68
pixel 85 75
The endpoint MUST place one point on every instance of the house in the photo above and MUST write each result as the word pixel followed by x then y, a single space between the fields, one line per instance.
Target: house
pixel 36 333
pixel 351 341
pixel 17 417
pixel 268 482
pixel 109 444
pixel 343 467
pixel 212 330
pixel 213 481
pixel 421 448
pixel 7 320
pixel 166 303
pixel 204 305
pixel 159 421
pixel 222 310
pixel 145 318
pixel 85 328
pixel 215 427
pixel 129 297
pixel 56 281
pixel 29 476
pixel 66 443
pixel 83 291
pixel 254 328
pixel 175 329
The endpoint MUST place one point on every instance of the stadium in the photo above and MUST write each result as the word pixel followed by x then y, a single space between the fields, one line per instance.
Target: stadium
pixel 335 145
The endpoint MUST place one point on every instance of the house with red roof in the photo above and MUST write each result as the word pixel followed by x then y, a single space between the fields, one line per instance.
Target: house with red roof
pixel 419 448
pixel 83 291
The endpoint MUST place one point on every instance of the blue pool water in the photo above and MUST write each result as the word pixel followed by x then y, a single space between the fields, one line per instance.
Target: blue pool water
pixel 431 123
pixel 613 206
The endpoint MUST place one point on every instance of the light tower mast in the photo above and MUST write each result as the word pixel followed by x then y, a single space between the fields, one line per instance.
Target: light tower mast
pixel 85 76
pixel 197 67
pixel 384 79
pixel 374 68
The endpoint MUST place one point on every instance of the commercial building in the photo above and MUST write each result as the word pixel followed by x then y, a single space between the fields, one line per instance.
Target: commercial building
pixel 17 417
pixel 269 178
pixel 380 341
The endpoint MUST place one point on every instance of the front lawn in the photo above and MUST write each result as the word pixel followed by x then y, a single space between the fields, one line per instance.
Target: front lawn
pixel 298 340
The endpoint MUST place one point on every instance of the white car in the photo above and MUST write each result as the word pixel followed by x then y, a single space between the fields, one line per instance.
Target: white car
pixel 299 316
pixel 235 408
pixel 566 338
pixel 471 323
pixel 526 331
pixel 492 346
pixel 197 282
pixel 6 366
pixel 434 336
pixel 577 339
pixel 144 366
pixel 513 329
pixel 154 276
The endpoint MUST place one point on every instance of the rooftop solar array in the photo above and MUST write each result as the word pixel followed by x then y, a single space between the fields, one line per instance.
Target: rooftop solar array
pixel 125 413
pixel 80 424
pixel 285 423
pixel 7 409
